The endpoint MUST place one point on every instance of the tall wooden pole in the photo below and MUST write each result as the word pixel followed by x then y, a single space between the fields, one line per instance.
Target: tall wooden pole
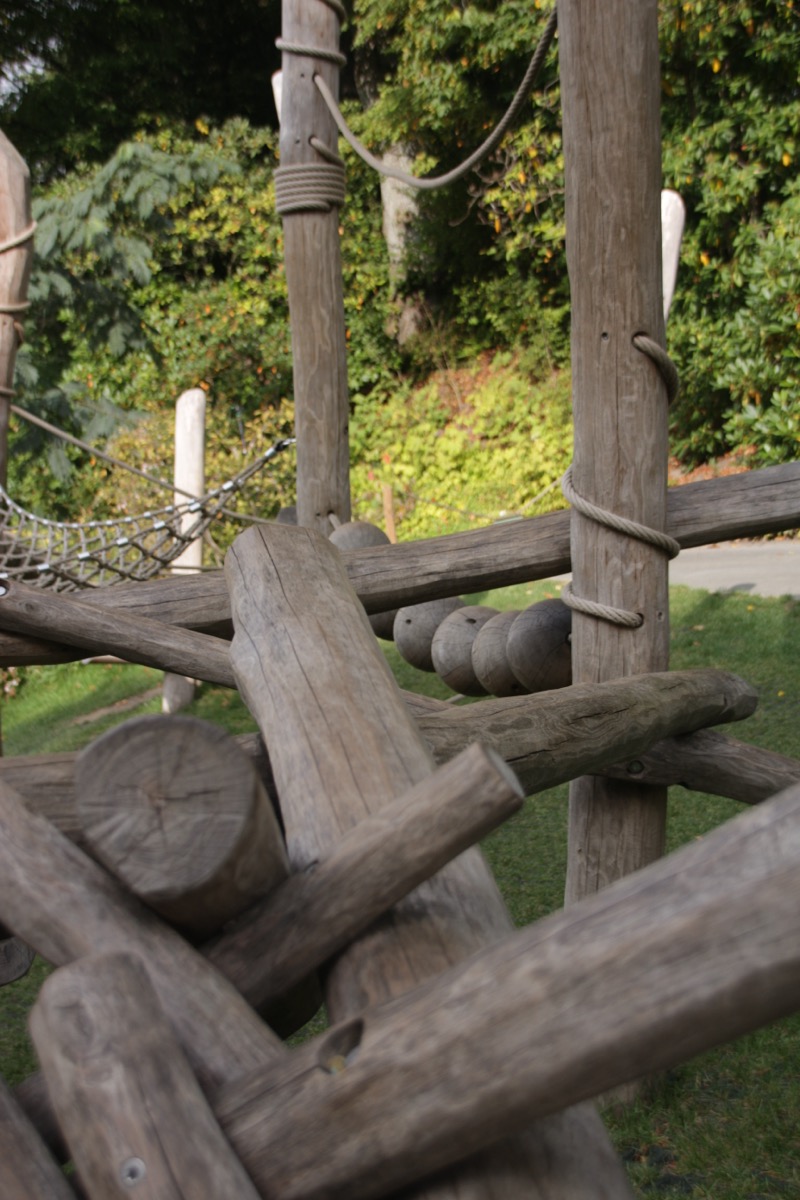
pixel 309 207
pixel 16 257
pixel 610 95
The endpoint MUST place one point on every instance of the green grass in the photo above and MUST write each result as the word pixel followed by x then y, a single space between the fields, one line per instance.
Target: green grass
pixel 723 1126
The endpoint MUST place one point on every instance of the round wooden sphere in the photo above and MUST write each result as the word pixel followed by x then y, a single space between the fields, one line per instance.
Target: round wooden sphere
pixel 538 647
pixel 451 649
pixel 415 625
pixel 357 535
pixel 490 660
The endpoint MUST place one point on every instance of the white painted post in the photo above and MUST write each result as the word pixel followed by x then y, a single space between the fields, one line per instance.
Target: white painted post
pixel 189 477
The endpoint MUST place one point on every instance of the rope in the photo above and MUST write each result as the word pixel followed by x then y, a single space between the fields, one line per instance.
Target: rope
pixel 642 533
pixel 309 187
pixel 18 239
pixel 332 56
pixel 522 93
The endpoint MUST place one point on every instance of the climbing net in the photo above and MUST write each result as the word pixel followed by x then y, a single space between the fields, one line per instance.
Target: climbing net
pixel 65 556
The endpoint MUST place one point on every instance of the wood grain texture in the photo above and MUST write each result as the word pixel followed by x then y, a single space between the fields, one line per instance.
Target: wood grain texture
pixel 27 1170
pixel 31 611
pixel 177 812
pixel 746 505
pixel 553 737
pixel 129 1105
pixel 15 270
pixel 612 150
pixel 342 745
pixel 376 863
pixel 66 906
pixel 687 953
pixel 312 260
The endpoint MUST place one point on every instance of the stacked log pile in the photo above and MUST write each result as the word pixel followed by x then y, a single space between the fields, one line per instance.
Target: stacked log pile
pixel 200 896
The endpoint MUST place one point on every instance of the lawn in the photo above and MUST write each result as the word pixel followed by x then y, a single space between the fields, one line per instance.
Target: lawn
pixel 723 1126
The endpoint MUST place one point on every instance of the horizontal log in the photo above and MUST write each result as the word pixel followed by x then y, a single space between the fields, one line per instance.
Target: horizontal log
pixel 127 1100
pixel 692 951
pixel 174 809
pixel 27 1170
pixel 707 761
pixel 378 862
pixel 136 638
pixel 552 737
pixel 385 577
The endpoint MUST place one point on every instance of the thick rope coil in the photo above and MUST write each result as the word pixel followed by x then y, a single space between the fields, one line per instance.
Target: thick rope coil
pixel 18 239
pixel 332 56
pixel 309 187
pixel 13 243
pixel 642 533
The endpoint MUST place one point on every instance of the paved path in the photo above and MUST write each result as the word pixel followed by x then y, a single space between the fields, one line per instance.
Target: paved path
pixel 758 568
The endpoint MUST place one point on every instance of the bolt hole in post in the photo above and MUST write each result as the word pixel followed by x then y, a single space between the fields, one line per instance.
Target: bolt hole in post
pixel 132 1172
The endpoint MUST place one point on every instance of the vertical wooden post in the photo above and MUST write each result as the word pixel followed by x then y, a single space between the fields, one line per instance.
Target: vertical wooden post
pixel 610 96
pixel 16 257
pixel 313 264
pixel 189 475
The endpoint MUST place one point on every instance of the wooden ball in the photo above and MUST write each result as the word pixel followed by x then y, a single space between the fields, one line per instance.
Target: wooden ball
pixel 415 625
pixel 451 649
pixel 538 647
pixel 489 659
pixel 357 535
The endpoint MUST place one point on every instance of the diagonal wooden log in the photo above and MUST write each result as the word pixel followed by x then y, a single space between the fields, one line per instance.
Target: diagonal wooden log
pixel 129 1105
pixel 690 952
pixel 66 906
pixel 342 745
pixel 746 505
pixel 27 1170
pixel 31 611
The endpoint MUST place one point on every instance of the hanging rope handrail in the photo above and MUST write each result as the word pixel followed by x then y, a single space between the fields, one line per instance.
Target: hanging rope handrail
pixel 439 181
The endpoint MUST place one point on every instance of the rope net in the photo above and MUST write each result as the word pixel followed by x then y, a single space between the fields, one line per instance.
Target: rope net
pixel 66 556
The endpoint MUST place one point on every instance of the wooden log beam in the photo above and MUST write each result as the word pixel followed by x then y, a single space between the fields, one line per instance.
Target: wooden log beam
pixel 66 906
pixel 552 737
pixel 16 959
pixel 380 860
pixel 15 269
pixel 127 1100
pixel 176 811
pixel 34 612
pixel 692 951
pixel 342 745
pixel 27 1170
pixel 385 577
pixel 609 67
pixel 312 260
pixel 707 761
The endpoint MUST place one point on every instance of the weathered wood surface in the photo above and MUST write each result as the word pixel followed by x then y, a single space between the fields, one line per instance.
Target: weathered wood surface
pixel 708 761
pixel 753 503
pixel 177 812
pixel 128 1103
pixel 15 959
pixel 687 953
pixel 612 148
pixel 526 730
pixel 552 737
pixel 34 612
pixel 66 906
pixel 342 745
pixel 15 269
pixel 375 864
pixel 27 1170
pixel 312 260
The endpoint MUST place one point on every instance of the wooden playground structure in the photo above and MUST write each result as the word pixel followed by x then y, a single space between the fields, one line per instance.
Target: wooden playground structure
pixel 201 896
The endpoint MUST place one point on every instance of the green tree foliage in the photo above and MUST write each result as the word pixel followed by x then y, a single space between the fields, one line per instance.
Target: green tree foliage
pixel 83 76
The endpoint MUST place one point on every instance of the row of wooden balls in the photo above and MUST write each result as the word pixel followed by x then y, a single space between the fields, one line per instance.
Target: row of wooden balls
pixel 474 649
